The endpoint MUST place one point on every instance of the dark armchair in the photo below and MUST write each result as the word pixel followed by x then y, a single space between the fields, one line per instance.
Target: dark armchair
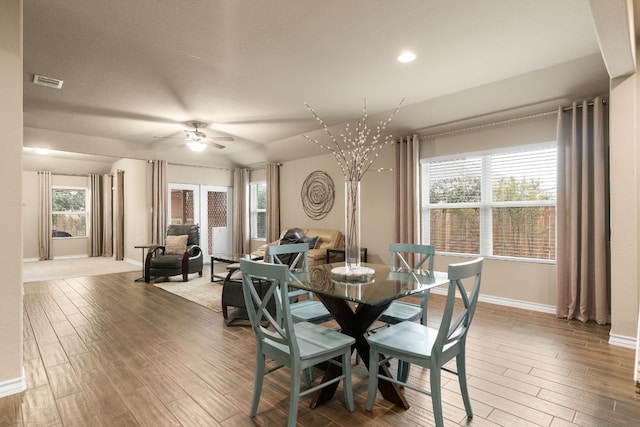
pixel 179 255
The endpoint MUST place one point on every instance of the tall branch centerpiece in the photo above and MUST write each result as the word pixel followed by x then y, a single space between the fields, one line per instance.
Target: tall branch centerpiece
pixel 355 151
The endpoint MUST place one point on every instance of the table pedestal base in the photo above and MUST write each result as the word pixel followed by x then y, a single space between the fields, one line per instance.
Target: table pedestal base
pixel 355 324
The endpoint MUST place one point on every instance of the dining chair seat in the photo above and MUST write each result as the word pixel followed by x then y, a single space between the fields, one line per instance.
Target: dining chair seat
pixel 400 311
pixel 429 347
pixel 310 311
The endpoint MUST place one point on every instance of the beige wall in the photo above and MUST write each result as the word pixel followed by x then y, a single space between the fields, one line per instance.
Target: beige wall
pixel 11 77
pixel 531 283
pixel 137 205
pixel 527 282
pixel 199 175
pixel 625 221
pixel 61 248
pixel 376 200
pixel 30 216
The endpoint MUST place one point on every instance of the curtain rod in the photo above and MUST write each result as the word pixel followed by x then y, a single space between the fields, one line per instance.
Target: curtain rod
pixel 503 122
pixel 85 175
pixel 260 166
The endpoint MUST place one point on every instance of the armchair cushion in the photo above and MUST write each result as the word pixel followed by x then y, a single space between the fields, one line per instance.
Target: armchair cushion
pixel 176 245
pixel 191 230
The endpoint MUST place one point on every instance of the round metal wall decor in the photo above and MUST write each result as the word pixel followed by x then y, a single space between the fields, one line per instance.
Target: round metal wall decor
pixel 317 194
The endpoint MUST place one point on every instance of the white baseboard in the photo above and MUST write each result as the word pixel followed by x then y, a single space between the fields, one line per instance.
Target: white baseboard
pixel 16 385
pixel 30 259
pixel 622 341
pixel 617 340
pixel 134 262
pixel 71 256
pixel 524 305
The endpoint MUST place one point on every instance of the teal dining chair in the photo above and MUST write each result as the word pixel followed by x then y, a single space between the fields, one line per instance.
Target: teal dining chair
pixel 295 256
pixel 298 346
pixel 419 258
pixel 430 347
pixel 418 255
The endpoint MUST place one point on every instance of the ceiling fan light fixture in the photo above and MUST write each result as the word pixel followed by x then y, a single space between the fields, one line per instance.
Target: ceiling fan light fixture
pixel 196 145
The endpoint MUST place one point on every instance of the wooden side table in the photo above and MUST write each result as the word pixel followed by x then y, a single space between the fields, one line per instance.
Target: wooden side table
pixel 144 247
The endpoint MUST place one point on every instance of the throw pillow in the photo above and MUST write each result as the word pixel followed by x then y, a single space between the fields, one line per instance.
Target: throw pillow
pixel 176 245
pixel 311 241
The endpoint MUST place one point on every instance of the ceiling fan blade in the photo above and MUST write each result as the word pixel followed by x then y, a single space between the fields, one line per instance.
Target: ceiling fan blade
pixel 167 137
pixel 221 138
pixel 216 145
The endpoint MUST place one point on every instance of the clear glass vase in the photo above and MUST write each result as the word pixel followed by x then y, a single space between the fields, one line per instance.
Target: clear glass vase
pixel 352 272
pixel 352 225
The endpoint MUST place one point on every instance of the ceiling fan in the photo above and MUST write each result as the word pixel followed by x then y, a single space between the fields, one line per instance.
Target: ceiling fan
pixel 197 140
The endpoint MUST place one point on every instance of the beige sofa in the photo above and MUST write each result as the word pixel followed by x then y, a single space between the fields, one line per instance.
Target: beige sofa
pixel 326 239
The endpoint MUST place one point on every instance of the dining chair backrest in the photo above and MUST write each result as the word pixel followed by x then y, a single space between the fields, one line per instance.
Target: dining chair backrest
pixel 278 329
pixel 295 256
pixel 412 257
pixel 453 332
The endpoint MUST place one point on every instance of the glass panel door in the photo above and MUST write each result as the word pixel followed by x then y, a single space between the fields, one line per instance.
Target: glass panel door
pixel 216 219
pixel 184 204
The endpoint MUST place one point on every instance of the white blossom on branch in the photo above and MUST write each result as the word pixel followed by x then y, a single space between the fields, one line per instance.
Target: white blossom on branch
pixel 356 149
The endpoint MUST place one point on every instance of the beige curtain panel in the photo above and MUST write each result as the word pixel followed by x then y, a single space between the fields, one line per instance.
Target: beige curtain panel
pixel 118 229
pixel 95 212
pixel 107 215
pixel 159 191
pixel 583 285
pixel 241 231
pixel 406 190
pixel 44 215
pixel 273 202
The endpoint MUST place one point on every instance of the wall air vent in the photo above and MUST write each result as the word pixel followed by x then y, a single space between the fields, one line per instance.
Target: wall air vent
pixel 47 81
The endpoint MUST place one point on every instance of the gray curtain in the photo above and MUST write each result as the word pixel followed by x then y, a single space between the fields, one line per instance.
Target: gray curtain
pixel 583 288
pixel 95 201
pixel 107 215
pixel 273 202
pixel 118 213
pixel 241 232
pixel 44 215
pixel 406 190
pixel 159 190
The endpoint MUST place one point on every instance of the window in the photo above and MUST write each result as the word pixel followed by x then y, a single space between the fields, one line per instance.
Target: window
pixel 500 204
pixel 69 212
pixel 258 201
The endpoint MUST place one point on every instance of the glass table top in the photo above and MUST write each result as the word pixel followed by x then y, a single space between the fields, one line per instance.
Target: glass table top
pixel 382 286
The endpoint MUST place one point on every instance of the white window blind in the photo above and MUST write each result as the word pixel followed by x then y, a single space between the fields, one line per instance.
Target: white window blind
pixel 496 204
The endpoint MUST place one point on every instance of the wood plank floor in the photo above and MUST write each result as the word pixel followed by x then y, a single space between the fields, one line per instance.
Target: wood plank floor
pixel 106 351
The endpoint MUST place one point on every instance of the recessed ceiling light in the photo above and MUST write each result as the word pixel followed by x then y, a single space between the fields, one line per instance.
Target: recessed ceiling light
pixel 406 56
pixel 42 151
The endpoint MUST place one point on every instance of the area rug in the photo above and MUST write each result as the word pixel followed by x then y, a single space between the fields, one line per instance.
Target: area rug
pixel 199 290
pixel 37 271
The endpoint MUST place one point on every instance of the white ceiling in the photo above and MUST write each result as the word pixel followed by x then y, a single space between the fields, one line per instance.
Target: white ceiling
pixel 133 70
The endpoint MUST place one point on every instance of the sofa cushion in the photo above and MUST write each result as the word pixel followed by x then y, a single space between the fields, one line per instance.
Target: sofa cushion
pixel 176 245
pixel 312 241
pixel 327 238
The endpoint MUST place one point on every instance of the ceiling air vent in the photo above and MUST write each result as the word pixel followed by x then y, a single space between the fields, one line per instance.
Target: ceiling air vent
pixel 47 81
